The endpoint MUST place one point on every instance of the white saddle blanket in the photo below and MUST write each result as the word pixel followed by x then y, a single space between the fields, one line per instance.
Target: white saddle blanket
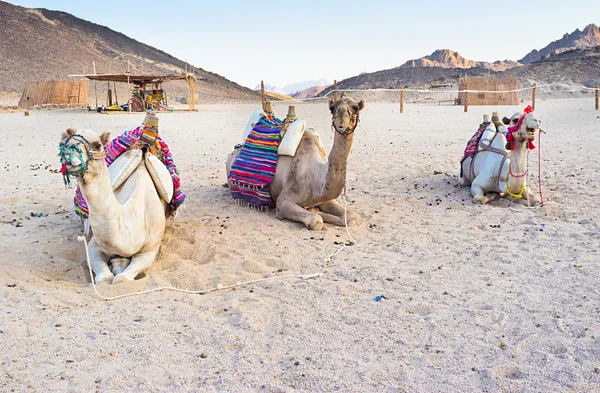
pixel 128 162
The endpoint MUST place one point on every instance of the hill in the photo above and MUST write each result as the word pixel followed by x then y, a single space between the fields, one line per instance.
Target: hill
pixel 308 93
pixel 39 44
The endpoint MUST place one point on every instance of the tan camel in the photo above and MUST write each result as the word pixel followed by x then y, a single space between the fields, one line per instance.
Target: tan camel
pixel 306 186
pixel 498 172
pixel 128 224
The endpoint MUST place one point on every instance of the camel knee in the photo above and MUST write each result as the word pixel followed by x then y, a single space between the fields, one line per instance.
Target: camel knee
pixel 106 276
pixel 481 199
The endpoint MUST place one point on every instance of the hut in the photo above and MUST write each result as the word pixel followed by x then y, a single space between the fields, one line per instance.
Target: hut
pixel 147 91
pixel 63 93
pixel 485 88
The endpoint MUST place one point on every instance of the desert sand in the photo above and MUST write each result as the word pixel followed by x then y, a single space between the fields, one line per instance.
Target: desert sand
pixel 495 298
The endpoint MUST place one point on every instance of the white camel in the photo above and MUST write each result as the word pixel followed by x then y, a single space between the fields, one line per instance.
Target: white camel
pixel 495 171
pixel 128 224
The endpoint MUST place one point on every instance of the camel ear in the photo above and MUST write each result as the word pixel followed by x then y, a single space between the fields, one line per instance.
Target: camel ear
pixel 105 138
pixel 361 105
pixel 332 106
pixel 506 120
pixel 68 133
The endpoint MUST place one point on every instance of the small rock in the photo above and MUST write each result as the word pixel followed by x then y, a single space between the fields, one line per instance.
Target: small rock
pixel 503 346
pixel 203 355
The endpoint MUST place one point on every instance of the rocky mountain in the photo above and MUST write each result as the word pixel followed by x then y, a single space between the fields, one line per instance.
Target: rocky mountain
pixel 447 58
pixel 309 93
pixel 588 38
pixel 39 44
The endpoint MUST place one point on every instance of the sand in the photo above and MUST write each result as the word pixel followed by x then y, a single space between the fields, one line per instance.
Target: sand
pixel 496 298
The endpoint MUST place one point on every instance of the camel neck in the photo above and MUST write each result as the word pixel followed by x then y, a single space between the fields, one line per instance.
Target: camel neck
pixel 518 167
pixel 337 162
pixel 98 194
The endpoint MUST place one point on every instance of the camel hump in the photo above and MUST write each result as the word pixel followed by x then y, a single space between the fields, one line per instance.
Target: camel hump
pixel 488 135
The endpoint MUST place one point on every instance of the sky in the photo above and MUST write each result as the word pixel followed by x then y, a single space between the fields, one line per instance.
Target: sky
pixel 284 42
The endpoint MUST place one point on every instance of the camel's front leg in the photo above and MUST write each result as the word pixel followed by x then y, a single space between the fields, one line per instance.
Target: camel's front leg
pixel 534 199
pixel 479 195
pixel 119 264
pixel 333 213
pixel 99 262
pixel 292 211
pixel 139 263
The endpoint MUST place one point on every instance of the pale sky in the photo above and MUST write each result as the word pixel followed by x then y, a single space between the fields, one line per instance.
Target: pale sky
pixel 284 42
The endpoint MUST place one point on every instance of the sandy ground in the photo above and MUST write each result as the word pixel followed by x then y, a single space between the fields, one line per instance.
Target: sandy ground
pixel 496 298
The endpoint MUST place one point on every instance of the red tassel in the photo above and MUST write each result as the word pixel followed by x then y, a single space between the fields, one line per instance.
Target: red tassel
pixel 63 168
pixel 531 145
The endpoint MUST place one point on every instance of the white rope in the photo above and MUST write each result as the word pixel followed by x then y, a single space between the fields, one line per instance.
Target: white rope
pixel 193 292
pixel 442 91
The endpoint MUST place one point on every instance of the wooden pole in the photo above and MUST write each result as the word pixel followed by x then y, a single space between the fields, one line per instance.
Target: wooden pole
pixel 533 96
pixel 402 99
pixel 597 95
pixel 262 95
pixel 95 82
pixel 466 103
pixel 129 88
pixel 335 91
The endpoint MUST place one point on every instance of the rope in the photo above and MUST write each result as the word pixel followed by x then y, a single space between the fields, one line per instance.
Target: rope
pixel 443 91
pixel 193 292
pixel 540 166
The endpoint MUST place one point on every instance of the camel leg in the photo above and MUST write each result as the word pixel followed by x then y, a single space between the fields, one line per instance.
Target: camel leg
pixel 479 194
pixel 119 264
pixel 333 213
pixel 99 262
pixel 292 211
pixel 534 199
pixel 139 263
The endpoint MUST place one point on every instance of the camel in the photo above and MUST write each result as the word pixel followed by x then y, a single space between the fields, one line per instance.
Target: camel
pixel 305 186
pixel 128 224
pixel 497 172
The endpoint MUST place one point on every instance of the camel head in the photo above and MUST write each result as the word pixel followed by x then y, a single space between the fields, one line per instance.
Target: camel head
pixel 528 128
pixel 77 149
pixel 513 120
pixel 345 114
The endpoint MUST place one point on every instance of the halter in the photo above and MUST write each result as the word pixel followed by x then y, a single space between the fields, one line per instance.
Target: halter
pixel 353 118
pixel 510 138
pixel 73 150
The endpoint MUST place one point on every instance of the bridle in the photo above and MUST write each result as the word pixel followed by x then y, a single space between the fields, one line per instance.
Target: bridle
pixel 353 118
pixel 73 150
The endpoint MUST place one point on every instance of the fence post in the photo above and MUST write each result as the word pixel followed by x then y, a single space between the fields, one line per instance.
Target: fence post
pixel 533 96
pixel 335 92
pixel 402 98
pixel 597 93
pixel 465 101
pixel 262 95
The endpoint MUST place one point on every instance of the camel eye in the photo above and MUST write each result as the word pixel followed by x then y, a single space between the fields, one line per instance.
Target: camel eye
pixel 96 145
pixel 355 108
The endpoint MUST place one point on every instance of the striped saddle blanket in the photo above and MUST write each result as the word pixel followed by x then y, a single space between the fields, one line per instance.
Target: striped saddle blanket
pixel 254 168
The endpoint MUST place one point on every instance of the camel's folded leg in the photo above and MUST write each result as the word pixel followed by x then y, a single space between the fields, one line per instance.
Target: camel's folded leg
pixel 333 213
pixel 99 262
pixel 119 264
pixel 479 195
pixel 139 263
pixel 292 211
pixel 534 199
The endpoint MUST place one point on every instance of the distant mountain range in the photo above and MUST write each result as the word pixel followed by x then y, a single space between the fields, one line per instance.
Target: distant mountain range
pixel 294 87
pixel 447 58
pixel 573 59
pixel 588 38
pixel 39 44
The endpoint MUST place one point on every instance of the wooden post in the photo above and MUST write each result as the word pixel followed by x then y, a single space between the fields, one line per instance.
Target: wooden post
pixel 335 91
pixel 402 99
pixel 129 88
pixel 533 96
pixel 597 96
pixel 465 101
pixel 95 82
pixel 263 101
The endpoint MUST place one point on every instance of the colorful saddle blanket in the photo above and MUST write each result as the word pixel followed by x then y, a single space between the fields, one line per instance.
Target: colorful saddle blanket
pixel 471 148
pixel 130 140
pixel 254 168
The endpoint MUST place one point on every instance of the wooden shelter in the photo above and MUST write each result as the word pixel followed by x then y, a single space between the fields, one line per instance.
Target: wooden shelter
pixel 485 88
pixel 146 90
pixel 54 92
